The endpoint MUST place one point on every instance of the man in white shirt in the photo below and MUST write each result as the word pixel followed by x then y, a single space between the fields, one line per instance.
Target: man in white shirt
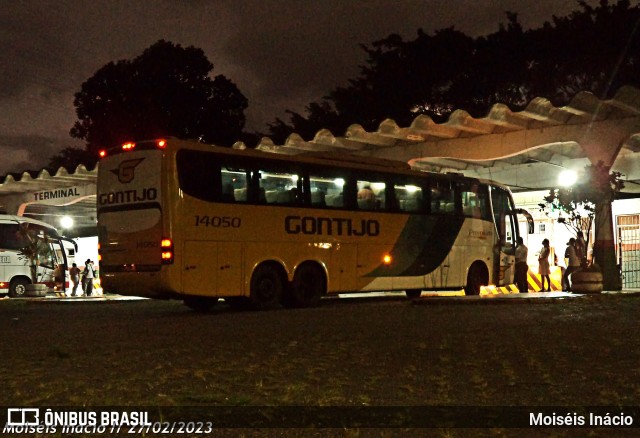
pixel 89 275
pixel 522 269
pixel 573 263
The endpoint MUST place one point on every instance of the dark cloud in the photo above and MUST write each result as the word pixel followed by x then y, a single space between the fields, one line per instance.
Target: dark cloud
pixel 30 152
pixel 282 54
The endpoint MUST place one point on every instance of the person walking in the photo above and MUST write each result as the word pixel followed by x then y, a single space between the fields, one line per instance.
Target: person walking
pixel 522 269
pixel 573 263
pixel 89 275
pixel 543 265
pixel 74 273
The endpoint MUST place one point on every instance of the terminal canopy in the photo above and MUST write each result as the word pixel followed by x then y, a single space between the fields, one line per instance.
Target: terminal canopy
pixel 526 150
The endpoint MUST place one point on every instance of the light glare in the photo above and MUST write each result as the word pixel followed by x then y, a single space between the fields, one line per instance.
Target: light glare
pixel 567 178
pixel 66 222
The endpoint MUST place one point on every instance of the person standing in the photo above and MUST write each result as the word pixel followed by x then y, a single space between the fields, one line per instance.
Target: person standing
pixel 89 275
pixel 522 269
pixel 74 273
pixel 543 265
pixel 573 263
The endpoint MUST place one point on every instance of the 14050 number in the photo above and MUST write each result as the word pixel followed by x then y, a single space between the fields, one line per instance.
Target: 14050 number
pixel 218 221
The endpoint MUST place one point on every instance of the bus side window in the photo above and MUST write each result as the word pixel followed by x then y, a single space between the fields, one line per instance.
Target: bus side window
pixel 281 188
pixel 327 191
pixel 234 185
pixel 10 238
pixel 199 174
pixel 371 195
pixel 442 198
pixel 475 201
pixel 408 198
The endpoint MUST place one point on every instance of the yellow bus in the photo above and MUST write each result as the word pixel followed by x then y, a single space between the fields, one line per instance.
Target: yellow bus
pixel 197 222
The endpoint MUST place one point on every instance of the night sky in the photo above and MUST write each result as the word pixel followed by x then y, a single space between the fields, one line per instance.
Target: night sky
pixel 282 54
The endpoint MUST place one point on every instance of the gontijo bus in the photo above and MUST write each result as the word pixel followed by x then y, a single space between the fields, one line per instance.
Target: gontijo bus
pixel 181 219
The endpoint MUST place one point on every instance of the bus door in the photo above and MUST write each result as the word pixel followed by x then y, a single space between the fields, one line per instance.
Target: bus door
pixel 507 231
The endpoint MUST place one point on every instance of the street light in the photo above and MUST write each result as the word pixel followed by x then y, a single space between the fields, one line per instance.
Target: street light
pixel 567 178
pixel 66 222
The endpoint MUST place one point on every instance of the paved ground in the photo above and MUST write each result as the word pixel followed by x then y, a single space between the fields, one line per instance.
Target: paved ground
pixel 463 353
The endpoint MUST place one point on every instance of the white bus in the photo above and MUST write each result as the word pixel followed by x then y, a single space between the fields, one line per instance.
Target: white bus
pixel 14 272
pixel 186 220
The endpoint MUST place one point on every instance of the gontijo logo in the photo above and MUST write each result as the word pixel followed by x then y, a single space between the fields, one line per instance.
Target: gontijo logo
pixel 126 170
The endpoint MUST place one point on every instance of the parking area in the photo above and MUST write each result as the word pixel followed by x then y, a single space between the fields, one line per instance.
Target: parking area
pixel 491 293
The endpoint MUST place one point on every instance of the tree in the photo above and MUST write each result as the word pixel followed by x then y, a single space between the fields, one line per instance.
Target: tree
pixel 578 205
pixel 36 246
pixel 71 158
pixel 166 91
pixel 436 74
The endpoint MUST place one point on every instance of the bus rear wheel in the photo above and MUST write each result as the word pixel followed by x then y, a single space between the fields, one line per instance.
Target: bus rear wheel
pixel 413 293
pixel 307 287
pixel 18 287
pixel 200 304
pixel 266 287
pixel 476 278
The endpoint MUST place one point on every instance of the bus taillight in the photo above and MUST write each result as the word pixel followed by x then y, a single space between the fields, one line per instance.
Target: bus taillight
pixel 128 146
pixel 102 153
pixel 161 144
pixel 167 251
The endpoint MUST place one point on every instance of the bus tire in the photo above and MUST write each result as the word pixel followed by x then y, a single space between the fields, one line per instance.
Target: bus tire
pixel 200 304
pixel 307 288
pixel 18 286
pixel 413 293
pixel 477 277
pixel 266 287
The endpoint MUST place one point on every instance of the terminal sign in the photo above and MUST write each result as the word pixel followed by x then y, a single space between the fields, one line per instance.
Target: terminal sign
pixel 56 194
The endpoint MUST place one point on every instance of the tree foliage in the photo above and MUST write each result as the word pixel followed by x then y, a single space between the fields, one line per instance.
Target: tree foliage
pixel 576 206
pixel 36 245
pixel 165 91
pixel 71 158
pixel 594 49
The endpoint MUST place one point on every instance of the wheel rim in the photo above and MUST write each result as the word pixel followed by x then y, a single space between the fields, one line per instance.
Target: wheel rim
pixel 266 288
pixel 19 289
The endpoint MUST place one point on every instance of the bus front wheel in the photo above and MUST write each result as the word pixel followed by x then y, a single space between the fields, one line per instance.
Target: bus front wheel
pixel 200 304
pixel 266 287
pixel 413 293
pixel 476 278
pixel 307 287
pixel 18 287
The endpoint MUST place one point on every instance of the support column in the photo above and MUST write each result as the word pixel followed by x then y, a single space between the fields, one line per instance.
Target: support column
pixel 604 250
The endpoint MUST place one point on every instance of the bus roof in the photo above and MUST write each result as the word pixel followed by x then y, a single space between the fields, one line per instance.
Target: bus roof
pixel 335 159
pixel 7 218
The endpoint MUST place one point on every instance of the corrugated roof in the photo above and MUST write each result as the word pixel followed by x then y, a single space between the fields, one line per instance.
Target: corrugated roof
pixel 541 133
